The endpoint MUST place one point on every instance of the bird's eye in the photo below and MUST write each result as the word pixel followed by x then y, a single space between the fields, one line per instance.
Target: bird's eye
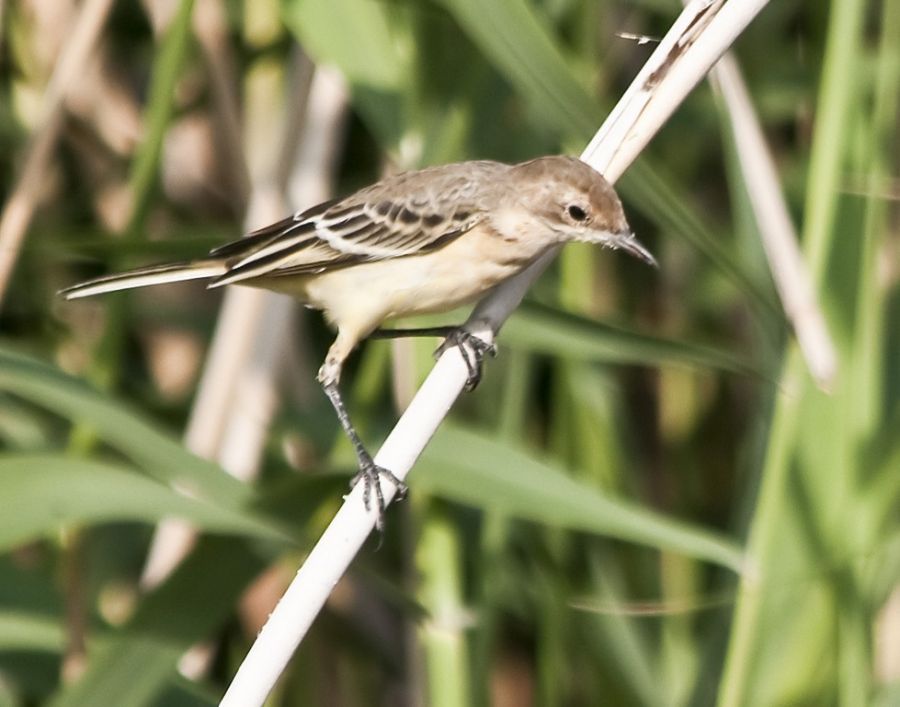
pixel 577 213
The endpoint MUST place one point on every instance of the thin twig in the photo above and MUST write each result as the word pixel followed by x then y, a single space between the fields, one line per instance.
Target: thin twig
pixel 681 60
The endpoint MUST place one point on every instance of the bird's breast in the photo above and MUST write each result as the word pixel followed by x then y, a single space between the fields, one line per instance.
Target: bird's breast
pixel 433 282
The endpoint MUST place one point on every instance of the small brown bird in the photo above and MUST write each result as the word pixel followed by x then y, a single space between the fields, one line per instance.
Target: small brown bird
pixel 413 243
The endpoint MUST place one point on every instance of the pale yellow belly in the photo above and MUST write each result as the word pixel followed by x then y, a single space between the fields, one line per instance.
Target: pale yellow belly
pixel 362 296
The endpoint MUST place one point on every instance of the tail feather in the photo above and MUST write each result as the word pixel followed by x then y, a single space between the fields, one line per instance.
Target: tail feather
pixel 141 277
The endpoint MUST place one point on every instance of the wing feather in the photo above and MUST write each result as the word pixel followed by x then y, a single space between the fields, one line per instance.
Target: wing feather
pixel 405 215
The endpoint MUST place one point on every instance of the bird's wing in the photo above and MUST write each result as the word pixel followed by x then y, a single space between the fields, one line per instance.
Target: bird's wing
pixel 408 214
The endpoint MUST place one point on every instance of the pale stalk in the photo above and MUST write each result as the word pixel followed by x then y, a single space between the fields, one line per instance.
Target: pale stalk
pixel 779 237
pixel 710 29
pixel 256 395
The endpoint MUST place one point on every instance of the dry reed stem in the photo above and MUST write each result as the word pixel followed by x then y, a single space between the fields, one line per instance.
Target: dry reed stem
pixel 69 68
pixel 779 237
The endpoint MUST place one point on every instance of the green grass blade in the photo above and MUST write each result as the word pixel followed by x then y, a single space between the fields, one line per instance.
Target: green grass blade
pixel 21 630
pixel 443 635
pixel 51 490
pixel 569 336
pixel 155 452
pixel 167 67
pixel 517 42
pixel 370 45
pixel 494 475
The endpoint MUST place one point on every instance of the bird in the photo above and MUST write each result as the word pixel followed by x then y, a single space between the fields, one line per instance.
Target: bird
pixel 416 242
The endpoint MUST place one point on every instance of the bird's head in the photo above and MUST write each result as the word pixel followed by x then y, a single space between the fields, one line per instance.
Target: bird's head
pixel 576 203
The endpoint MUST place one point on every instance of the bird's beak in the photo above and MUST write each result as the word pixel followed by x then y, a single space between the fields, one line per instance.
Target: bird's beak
pixel 631 245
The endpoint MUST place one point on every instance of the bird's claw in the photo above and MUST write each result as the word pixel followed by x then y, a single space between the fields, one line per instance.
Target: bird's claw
pixel 370 474
pixel 472 349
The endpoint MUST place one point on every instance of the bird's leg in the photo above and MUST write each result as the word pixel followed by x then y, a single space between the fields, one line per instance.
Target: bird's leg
pixel 471 348
pixel 369 472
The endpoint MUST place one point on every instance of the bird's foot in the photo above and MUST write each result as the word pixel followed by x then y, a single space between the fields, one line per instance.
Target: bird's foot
pixel 370 474
pixel 472 349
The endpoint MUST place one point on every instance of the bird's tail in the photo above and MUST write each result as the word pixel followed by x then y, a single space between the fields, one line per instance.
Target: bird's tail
pixel 152 275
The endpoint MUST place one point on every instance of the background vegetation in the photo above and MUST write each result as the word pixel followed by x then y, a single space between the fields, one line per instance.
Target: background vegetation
pixel 648 501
